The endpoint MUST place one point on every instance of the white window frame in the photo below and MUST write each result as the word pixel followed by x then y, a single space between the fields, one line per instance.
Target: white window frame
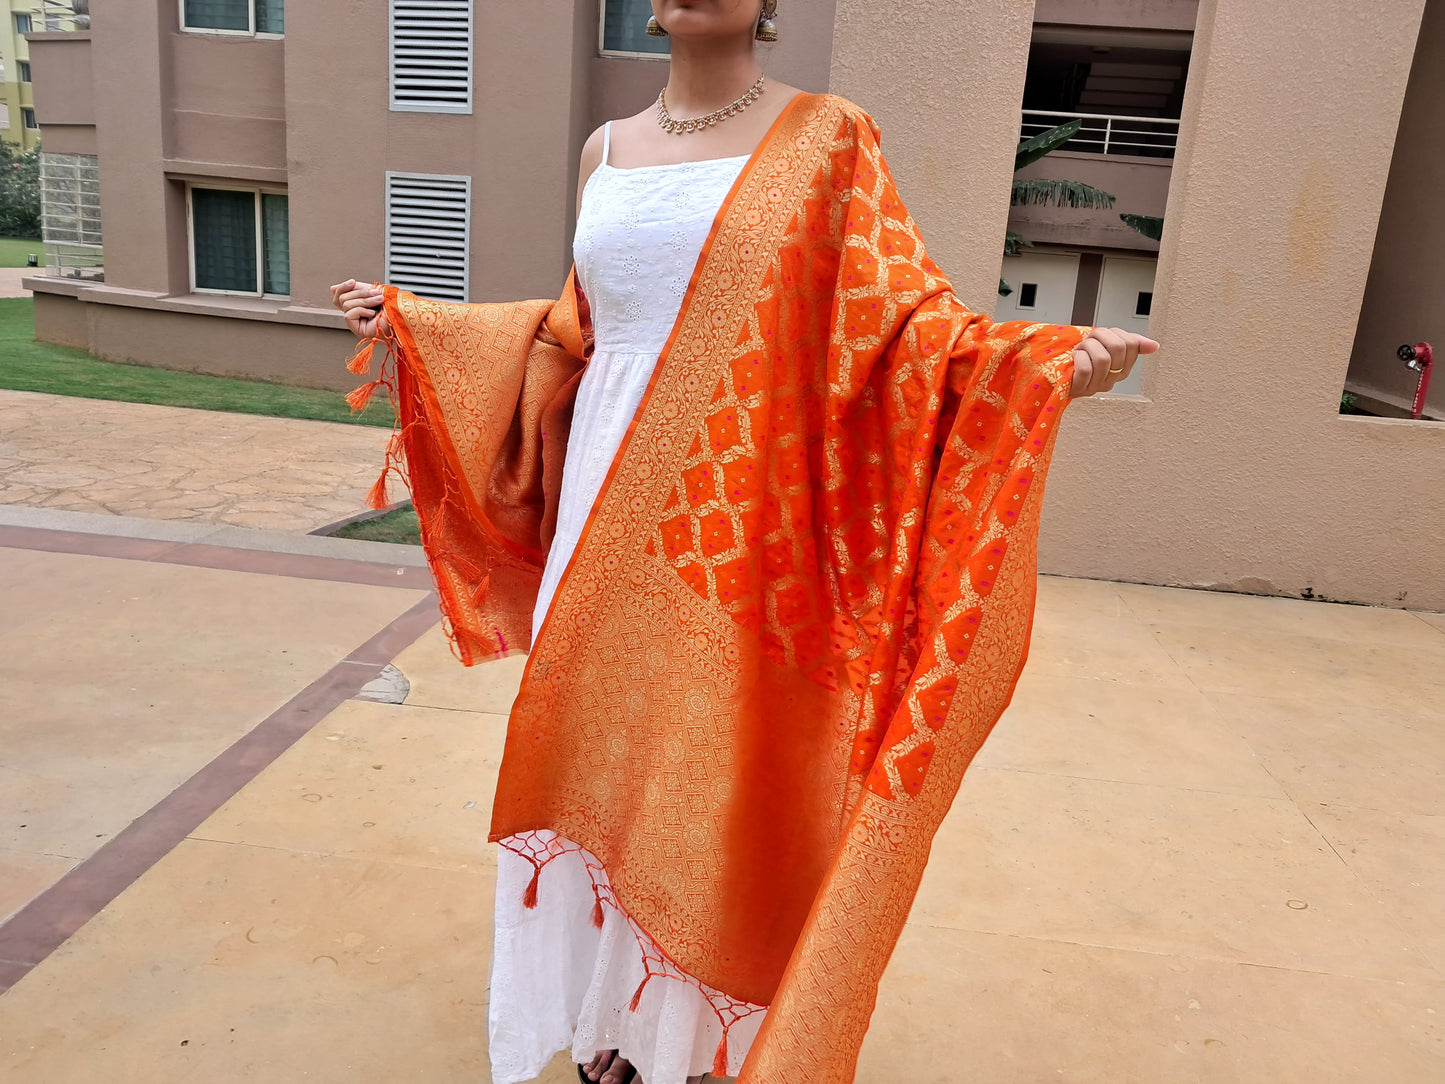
pixel 629 54
pixel 22 71
pixel 27 112
pixel 16 16
pixel 250 22
pixel 257 191
pixel 466 229
pixel 1020 305
pixel 466 107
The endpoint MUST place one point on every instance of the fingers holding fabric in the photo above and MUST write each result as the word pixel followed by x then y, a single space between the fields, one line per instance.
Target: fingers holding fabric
pixel 1106 356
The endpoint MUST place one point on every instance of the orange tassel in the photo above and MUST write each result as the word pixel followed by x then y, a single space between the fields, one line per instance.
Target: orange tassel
pixel 361 360
pixel 529 898
pixel 357 398
pixel 597 912
pixel 720 1061
pixel 376 497
pixel 637 997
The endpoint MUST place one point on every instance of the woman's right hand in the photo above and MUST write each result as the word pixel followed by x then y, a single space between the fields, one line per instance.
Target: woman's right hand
pixel 361 304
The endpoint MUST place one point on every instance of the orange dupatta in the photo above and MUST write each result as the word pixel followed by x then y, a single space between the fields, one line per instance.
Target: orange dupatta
pixel 801 601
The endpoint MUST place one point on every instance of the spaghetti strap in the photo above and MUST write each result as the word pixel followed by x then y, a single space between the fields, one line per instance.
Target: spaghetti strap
pixel 606 140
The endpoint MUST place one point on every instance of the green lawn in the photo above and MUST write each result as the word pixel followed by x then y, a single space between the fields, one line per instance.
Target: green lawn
pixel 15 251
pixel 27 365
pixel 398 526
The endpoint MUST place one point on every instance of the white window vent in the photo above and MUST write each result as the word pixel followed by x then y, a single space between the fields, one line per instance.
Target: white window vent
pixel 431 56
pixel 428 233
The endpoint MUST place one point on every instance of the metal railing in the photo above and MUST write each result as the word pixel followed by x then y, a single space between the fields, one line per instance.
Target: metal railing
pixel 72 261
pixel 1101 133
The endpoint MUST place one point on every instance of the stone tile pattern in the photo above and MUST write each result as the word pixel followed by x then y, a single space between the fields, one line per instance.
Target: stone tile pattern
pixel 92 455
pixel 1202 846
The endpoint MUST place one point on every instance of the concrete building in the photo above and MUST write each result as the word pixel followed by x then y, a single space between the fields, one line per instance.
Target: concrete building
pixel 17 104
pixel 249 155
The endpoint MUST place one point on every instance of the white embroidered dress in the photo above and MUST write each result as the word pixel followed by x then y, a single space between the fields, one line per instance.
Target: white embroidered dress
pixel 559 982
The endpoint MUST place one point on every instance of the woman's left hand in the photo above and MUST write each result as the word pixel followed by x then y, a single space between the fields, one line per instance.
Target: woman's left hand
pixel 1105 357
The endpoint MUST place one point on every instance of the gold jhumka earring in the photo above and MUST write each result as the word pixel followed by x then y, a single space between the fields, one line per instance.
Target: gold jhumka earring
pixel 767 29
pixel 654 28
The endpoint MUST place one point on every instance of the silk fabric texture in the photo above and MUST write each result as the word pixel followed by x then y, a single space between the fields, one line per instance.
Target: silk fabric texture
pixel 803 596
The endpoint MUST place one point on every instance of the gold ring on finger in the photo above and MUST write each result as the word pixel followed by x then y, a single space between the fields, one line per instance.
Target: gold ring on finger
pixel 1118 370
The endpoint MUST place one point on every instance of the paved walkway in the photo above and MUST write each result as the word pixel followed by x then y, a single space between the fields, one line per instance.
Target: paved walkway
pixel 1203 845
pixel 10 278
pixel 93 455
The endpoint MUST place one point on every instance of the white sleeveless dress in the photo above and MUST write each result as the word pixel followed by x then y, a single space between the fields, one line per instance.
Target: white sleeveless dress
pixel 559 982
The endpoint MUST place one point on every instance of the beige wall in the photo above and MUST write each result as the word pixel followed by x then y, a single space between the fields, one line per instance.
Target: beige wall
pixel 950 138
pixel 196 342
pixel 227 100
pixel 1405 296
pixel 131 65
pixel 1234 469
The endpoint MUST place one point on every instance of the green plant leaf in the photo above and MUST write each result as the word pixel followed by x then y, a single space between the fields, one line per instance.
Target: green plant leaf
pixel 1013 243
pixel 1004 289
pixel 1046 192
pixel 1035 147
pixel 1148 225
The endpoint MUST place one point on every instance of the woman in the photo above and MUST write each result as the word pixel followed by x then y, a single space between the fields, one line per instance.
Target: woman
pixel 761 495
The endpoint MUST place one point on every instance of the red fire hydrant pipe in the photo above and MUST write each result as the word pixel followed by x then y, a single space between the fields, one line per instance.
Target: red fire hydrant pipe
pixel 1424 361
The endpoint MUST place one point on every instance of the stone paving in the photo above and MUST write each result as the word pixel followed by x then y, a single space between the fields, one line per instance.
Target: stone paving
pixel 92 455
pixel 1202 847
pixel 10 278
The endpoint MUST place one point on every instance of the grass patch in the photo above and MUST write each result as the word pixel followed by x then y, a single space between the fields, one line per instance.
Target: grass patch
pixel 27 365
pixel 15 251
pixel 399 526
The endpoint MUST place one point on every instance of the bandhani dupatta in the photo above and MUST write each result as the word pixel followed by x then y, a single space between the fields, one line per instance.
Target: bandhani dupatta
pixel 803 596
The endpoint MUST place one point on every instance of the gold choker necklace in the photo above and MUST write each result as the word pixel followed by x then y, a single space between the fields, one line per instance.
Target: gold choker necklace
pixel 697 124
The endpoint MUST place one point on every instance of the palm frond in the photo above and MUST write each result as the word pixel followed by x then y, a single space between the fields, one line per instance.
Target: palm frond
pixel 1035 147
pixel 1150 226
pixel 1052 193
pixel 1014 243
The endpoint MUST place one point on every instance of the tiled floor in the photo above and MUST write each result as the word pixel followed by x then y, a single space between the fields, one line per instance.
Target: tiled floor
pixel 1204 845
pixel 134 459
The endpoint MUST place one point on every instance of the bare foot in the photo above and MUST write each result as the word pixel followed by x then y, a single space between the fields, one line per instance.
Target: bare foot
pixel 607 1068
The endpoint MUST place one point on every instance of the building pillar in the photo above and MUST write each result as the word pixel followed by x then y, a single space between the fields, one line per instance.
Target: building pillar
pixel 945 82
pixel 1234 468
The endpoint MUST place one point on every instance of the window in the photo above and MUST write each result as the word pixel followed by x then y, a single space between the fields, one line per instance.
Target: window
pixel 234 16
pixel 22 24
pixel 240 241
pixel 431 56
pixel 24 66
pixel 27 118
pixel 1144 303
pixel 428 233
pixel 624 28
pixel 1028 295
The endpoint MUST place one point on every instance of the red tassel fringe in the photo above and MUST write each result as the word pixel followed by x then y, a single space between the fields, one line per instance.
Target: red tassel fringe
pixel 376 497
pixel 720 1061
pixel 637 997
pixel 361 360
pixel 529 898
pixel 357 398
pixel 597 913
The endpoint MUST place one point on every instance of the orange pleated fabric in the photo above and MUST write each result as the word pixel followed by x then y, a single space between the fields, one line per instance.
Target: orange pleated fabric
pixel 802 599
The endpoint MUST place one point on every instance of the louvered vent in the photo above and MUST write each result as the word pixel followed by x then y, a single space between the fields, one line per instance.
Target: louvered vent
pixel 431 56
pixel 427 233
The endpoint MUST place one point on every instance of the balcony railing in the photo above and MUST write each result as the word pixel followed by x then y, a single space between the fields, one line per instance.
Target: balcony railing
pixel 1151 137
